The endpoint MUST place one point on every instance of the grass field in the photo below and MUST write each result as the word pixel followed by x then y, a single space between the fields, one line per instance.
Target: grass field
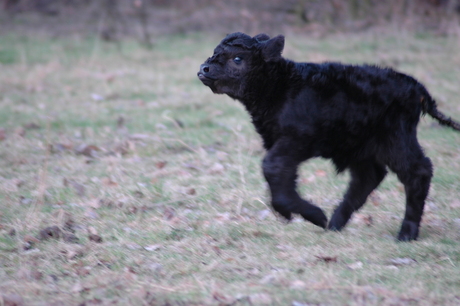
pixel 124 180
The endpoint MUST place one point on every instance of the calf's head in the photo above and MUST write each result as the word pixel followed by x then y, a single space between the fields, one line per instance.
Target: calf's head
pixel 239 60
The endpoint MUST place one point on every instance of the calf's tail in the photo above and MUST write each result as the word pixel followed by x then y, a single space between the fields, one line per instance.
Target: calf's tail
pixel 429 106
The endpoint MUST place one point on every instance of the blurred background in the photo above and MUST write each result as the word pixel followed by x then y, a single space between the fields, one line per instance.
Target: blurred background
pixel 114 20
pixel 124 180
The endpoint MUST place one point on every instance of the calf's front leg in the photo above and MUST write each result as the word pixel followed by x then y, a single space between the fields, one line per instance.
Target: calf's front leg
pixel 280 170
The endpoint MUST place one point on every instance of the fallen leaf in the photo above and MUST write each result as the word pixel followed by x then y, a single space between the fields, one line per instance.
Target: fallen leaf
pixel 223 217
pixel 137 4
pixel 283 255
pixel 97 97
pixel 129 274
pixel 298 285
pixel 93 203
pixel 375 199
pixel 456 222
pixel 217 168
pixel 364 219
pixel 23 273
pixel 221 155
pixel 223 299
pixel 138 194
pixel 31 126
pixel 30 239
pixel 72 251
pixel 154 267
pixel 176 221
pixel 133 246
pixel 191 191
pixel 2 134
pixel 20 131
pixel 51 232
pixel 131 209
pixel 109 203
pixel 430 206
pixel 263 234
pixel 295 303
pixel 217 250
pixel 121 122
pixel 455 204
pixel 309 179
pixel 87 150
pixel 169 213
pixel 161 164
pixel 139 136
pixel 95 238
pixel 29 272
pixel 12 299
pixel 12 185
pixel 65 218
pixel 191 166
pixel 320 173
pixel 29 247
pixel 77 287
pixel 141 293
pixel 83 271
pixel 402 261
pixel 91 213
pixel 24 201
pixel 125 147
pixel 355 266
pixel 327 259
pixel 153 247
pixel 80 190
pixel 18 182
pixel 108 182
pixel 260 299
pixel 92 230
pixel 37 275
pixel 56 148
pixel 93 235
pixel 274 278
pixel 71 238
pixel 264 214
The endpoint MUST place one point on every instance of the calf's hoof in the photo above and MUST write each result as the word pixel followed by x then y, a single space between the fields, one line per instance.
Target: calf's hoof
pixel 338 221
pixel 315 215
pixel 409 231
pixel 283 212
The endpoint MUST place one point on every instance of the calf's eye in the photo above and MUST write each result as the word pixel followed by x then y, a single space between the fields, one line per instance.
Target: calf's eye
pixel 237 60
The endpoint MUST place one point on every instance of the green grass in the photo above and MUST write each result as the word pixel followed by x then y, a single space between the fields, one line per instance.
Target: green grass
pixel 175 189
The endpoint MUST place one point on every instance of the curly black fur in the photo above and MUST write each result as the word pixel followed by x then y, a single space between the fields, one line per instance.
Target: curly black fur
pixel 363 118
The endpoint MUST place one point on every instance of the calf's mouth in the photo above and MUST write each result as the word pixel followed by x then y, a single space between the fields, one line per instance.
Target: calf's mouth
pixel 204 73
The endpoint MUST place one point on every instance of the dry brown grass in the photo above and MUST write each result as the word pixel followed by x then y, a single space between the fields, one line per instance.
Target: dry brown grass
pixel 124 180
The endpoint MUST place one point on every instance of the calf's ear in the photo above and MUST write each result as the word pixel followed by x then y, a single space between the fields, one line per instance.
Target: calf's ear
pixel 261 37
pixel 272 48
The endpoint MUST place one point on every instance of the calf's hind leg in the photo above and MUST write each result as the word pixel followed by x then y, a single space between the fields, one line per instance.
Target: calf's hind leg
pixel 280 170
pixel 365 177
pixel 416 176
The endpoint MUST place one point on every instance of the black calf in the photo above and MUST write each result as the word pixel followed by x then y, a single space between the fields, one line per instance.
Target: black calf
pixel 363 118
